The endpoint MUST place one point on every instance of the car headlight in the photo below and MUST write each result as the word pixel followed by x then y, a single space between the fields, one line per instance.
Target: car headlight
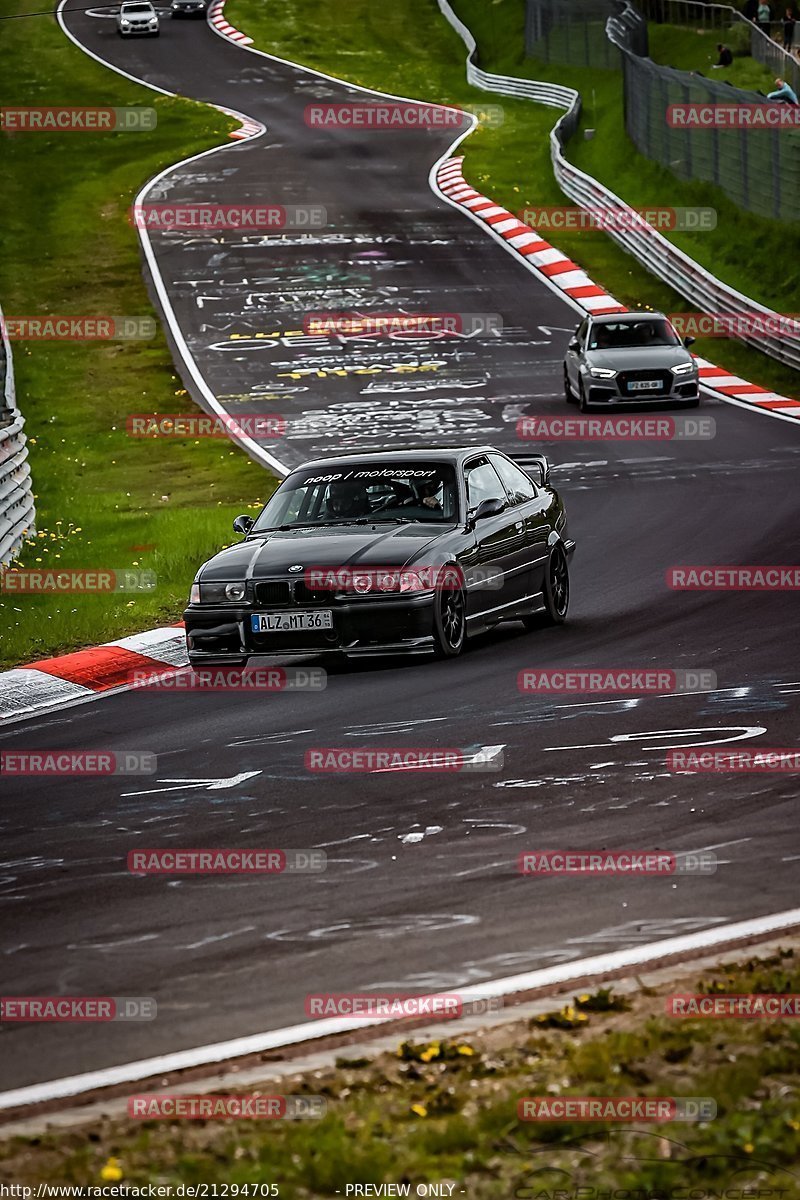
pixel 602 372
pixel 218 593
pixel 413 581
pixel 125 24
pixel 362 583
pixel 683 368
pixel 389 581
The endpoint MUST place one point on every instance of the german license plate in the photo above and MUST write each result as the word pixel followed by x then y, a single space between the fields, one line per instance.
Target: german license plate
pixel 291 622
pixel 644 385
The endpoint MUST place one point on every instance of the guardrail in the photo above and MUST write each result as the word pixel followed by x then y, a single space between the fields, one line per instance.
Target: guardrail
pixel 17 510
pixel 639 239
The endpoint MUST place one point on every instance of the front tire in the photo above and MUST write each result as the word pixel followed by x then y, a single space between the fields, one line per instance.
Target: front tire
pixel 568 393
pixel 449 615
pixel 555 592
pixel 583 403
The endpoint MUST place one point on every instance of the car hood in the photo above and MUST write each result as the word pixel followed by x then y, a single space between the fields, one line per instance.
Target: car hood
pixel 271 554
pixel 137 18
pixel 639 358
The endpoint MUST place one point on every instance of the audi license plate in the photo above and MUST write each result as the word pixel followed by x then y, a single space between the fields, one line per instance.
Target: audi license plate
pixel 290 622
pixel 644 385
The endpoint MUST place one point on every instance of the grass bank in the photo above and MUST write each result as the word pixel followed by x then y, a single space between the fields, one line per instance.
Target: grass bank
pixel 447 1111
pixel 410 49
pixel 67 247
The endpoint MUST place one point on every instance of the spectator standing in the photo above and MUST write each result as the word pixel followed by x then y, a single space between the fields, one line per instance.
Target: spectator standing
pixel 788 30
pixel 764 17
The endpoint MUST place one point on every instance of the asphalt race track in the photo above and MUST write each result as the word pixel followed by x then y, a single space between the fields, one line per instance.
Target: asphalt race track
pixel 421 890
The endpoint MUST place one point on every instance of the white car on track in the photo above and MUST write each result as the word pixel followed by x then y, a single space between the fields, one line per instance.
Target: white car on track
pixel 137 17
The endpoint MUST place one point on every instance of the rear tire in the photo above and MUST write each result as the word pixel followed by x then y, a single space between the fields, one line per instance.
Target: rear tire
pixel 555 592
pixel 449 615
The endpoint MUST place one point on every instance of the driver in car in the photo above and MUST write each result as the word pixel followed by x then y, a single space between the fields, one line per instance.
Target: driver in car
pixel 347 499
pixel 429 494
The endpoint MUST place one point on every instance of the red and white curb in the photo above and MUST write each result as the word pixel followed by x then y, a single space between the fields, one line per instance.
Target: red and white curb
pixel 55 682
pixel 248 128
pixel 568 277
pixel 224 27
pixel 564 274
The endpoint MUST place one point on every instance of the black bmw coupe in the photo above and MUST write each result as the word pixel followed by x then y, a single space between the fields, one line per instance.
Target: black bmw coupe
pixel 400 552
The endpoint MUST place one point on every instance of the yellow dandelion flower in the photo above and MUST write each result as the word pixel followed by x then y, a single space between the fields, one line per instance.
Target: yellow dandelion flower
pixel 112 1171
pixel 419 1109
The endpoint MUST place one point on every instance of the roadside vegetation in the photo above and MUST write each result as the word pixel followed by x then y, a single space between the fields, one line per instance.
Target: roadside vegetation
pixel 445 1111
pixel 409 49
pixel 104 500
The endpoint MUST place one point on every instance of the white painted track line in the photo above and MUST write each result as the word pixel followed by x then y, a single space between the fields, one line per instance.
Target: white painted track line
pixel 275 1039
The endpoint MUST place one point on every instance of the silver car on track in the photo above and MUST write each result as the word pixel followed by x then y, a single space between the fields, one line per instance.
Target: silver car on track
pixel 629 358
pixel 137 18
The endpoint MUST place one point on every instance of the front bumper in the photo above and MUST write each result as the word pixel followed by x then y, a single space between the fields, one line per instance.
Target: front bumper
pixel 361 627
pixel 674 389
pixel 138 31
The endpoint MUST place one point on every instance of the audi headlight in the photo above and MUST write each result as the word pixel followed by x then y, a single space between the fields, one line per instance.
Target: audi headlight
pixel 683 368
pixel 194 594
pixel 602 372
pixel 235 591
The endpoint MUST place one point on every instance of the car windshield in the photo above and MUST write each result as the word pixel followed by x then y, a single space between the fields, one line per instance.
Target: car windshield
pixel 363 493
pixel 137 8
pixel 613 335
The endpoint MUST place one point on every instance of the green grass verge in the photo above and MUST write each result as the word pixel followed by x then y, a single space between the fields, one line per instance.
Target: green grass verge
pixel 689 49
pixel 447 1111
pixel 67 247
pixel 410 50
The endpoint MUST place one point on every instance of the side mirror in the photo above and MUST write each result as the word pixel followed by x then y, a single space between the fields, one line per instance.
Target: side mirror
pixel 540 466
pixel 574 345
pixel 488 508
pixel 243 524
pixel 689 341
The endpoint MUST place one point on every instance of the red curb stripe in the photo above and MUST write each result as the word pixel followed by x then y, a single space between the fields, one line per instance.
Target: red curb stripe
pixel 784 403
pixel 100 668
pixel 741 389
pixel 533 248
pixel 584 290
pixel 518 229
pixel 558 268
pixel 498 217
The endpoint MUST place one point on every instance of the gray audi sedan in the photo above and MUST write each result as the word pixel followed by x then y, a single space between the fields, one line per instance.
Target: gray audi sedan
pixel 628 358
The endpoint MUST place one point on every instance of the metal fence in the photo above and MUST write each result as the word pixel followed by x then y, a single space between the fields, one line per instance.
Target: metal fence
pixel 758 168
pixel 762 45
pixel 572 32
pixel 17 511
pixel 645 243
